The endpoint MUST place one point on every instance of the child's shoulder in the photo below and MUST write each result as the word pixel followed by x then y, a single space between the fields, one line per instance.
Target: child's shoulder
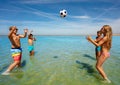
pixel 97 37
pixel 30 39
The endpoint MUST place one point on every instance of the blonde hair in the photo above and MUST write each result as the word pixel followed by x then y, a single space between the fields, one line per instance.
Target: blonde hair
pixel 108 33
pixel 10 28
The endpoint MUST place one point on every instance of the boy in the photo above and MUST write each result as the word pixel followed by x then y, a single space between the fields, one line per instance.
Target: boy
pixel 31 39
pixel 16 49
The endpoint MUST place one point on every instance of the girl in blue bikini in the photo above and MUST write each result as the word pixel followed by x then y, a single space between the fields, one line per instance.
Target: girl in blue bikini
pixel 98 48
pixel 31 40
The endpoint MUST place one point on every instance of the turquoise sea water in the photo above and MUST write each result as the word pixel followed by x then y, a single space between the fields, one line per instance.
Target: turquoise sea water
pixel 59 60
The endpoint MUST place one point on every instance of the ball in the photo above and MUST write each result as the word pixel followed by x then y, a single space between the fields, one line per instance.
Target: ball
pixel 63 13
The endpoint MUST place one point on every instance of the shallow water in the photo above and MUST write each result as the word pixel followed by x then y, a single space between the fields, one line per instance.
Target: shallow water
pixel 59 60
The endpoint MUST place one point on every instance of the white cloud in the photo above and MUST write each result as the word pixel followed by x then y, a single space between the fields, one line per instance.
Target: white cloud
pixel 106 10
pixel 60 27
pixel 81 17
pixel 53 27
pixel 47 1
pixel 58 1
pixel 30 10
pixel 116 26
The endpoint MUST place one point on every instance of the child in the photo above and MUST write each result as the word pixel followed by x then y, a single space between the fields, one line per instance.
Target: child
pixel 98 48
pixel 105 43
pixel 31 44
pixel 16 49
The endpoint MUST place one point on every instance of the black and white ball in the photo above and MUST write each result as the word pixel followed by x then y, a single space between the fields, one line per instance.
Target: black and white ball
pixel 63 13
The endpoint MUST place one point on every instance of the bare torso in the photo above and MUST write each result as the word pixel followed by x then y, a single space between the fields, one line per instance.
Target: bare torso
pixel 30 41
pixel 15 41
pixel 104 46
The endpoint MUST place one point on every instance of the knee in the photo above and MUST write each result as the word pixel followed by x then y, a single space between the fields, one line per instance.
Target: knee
pixel 17 62
pixel 97 66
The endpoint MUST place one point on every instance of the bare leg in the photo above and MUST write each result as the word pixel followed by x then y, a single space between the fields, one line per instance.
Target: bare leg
pixel 31 53
pixel 98 55
pixel 11 67
pixel 99 64
pixel 19 64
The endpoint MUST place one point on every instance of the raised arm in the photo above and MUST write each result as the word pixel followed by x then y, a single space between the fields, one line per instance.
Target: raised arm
pixel 34 39
pixel 25 34
pixel 11 32
pixel 96 44
pixel 30 32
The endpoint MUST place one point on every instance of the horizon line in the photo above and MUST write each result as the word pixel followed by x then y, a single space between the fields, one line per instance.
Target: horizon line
pixel 116 34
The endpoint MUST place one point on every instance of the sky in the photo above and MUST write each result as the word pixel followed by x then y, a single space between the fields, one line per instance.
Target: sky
pixel 84 17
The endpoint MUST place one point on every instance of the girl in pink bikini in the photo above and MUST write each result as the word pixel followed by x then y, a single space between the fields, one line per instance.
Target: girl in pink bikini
pixel 105 43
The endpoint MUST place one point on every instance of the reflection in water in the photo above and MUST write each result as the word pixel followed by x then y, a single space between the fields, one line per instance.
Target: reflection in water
pixel 23 63
pixel 3 68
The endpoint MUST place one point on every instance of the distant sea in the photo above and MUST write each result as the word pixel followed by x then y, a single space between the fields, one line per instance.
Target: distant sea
pixel 59 60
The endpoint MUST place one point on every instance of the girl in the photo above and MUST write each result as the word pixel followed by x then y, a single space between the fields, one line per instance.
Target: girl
pixel 98 48
pixel 105 43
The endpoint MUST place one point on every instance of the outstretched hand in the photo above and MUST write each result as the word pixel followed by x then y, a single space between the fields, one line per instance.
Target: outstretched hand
pixel 25 30
pixel 88 38
pixel 34 39
pixel 30 31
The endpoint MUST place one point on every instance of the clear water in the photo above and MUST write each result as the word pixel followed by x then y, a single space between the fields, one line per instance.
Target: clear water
pixel 59 60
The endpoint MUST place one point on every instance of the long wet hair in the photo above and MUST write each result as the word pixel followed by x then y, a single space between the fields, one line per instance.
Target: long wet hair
pixel 108 33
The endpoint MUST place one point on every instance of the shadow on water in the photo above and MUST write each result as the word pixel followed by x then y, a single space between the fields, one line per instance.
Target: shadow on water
pixel 86 66
pixel 3 68
pixel 88 56
pixel 55 56
pixel 23 63
pixel 92 72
